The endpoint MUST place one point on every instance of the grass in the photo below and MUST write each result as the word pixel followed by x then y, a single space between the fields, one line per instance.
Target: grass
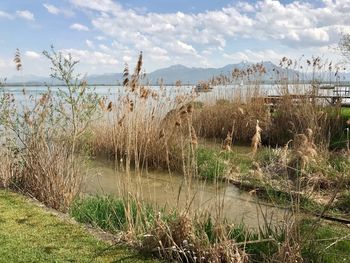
pixel 345 113
pixel 213 162
pixel 343 202
pixel 327 246
pixel 30 234
pixel 101 212
pixel 209 163
pixel 160 233
pixel 318 248
pixel 109 213
pixel 339 140
pixel 260 244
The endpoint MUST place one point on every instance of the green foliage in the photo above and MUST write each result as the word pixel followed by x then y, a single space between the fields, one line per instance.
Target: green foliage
pixel 345 113
pixel 77 102
pixel 339 140
pixel 104 212
pixel 110 213
pixel 343 203
pixel 210 165
pixel 325 243
pixel 267 156
pixel 340 163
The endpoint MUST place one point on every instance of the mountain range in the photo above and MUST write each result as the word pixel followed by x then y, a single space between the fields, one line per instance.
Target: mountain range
pixel 169 75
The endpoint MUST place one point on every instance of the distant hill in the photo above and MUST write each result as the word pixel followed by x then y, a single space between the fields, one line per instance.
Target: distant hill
pixel 187 75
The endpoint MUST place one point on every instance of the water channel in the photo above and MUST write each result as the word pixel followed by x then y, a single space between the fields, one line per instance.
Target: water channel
pixel 167 190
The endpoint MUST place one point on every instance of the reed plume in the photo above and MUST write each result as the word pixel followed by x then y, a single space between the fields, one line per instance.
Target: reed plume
pixel 17 59
pixel 256 140
pixel 126 75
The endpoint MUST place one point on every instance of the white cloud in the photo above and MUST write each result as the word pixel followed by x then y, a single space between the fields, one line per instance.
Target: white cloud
pixel 5 15
pixel 100 38
pixel 25 14
pixel 254 55
pixel 91 57
pixel 296 23
pixel 56 11
pixel 127 59
pixel 79 27
pixel 3 64
pixel 90 44
pixel 52 9
pixel 245 7
pixel 32 54
pixel 180 47
pixel 104 48
pixel 201 38
pixel 99 5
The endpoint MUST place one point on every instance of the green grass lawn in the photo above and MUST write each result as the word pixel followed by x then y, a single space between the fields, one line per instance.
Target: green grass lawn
pixel 28 233
pixel 345 112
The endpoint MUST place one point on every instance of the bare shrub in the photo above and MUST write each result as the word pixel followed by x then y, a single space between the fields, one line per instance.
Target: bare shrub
pixel 41 134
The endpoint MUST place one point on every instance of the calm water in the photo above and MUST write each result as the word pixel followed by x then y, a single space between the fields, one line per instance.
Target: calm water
pixel 167 190
pixel 220 92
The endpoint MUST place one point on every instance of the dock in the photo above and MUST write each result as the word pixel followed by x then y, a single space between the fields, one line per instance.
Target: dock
pixel 340 96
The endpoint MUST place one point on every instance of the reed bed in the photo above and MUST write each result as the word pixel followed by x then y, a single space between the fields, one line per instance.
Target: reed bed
pixel 294 112
pixel 145 128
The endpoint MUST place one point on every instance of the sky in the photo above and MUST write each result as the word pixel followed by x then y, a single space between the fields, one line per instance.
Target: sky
pixel 105 34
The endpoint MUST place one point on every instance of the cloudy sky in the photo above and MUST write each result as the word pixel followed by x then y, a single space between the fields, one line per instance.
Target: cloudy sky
pixel 104 34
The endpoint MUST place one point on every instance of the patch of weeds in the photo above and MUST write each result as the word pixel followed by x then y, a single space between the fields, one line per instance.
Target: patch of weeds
pixel 260 244
pixel 343 203
pixel 345 113
pixel 114 214
pixel 340 163
pixel 210 164
pixel 242 161
pixel 267 156
pixel 329 243
pixel 270 194
pixel 104 212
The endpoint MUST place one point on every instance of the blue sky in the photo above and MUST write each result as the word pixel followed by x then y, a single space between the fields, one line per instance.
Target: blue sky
pixel 104 34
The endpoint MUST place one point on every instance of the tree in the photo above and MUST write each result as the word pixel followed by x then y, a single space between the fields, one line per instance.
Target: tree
pixel 344 46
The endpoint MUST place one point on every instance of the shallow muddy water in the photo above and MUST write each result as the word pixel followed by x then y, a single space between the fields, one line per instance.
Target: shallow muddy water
pixel 169 191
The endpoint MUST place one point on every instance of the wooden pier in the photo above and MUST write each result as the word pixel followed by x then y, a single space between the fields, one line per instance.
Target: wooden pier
pixel 340 96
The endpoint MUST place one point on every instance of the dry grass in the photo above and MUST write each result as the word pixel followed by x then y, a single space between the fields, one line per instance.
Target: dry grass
pixel 49 175
pixel 39 153
pixel 216 121
pixel 183 241
pixel 256 140
pixel 8 168
pixel 138 134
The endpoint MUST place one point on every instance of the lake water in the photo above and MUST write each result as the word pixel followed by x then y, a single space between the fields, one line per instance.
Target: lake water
pixel 219 92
